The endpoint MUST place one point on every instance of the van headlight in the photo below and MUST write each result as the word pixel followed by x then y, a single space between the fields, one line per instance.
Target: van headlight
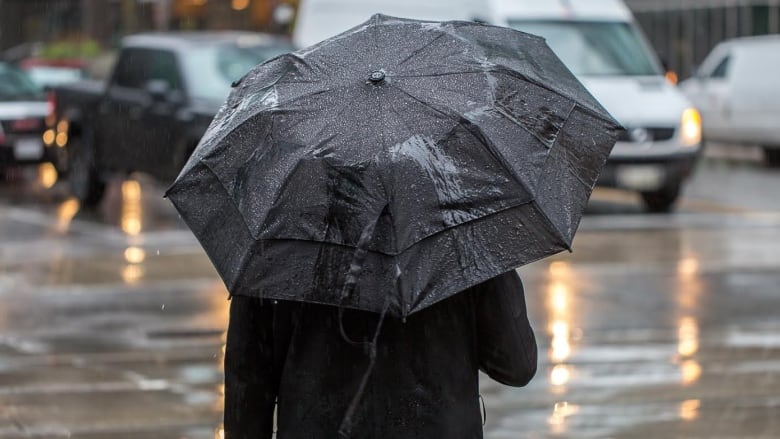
pixel 690 127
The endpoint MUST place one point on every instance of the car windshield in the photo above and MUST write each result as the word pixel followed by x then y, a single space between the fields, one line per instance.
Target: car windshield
pixel 595 48
pixel 15 85
pixel 213 68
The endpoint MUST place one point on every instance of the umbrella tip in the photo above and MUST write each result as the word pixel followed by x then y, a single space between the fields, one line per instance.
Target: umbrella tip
pixel 376 77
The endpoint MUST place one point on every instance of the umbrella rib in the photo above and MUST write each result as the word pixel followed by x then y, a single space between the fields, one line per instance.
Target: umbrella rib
pixel 539 206
pixel 499 157
pixel 419 49
pixel 245 257
pixel 499 69
pixel 515 74
pixel 265 111
pixel 479 134
pixel 433 75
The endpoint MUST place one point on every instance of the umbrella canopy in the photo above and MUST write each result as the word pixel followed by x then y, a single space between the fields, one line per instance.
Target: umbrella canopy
pixel 394 165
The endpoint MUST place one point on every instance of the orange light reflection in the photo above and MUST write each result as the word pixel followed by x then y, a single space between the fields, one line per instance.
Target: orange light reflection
pixel 688 297
pixel 689 409
pixel 65 213
pixel 688 337
pixel 559 304
pixel 132 273
pixel 561 411
pixel 560 375
pixel 691 371
pixel 47 175
pixel 131 208
pixel 134 255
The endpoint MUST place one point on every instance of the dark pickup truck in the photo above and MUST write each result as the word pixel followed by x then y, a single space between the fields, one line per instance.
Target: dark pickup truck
pixel 148 117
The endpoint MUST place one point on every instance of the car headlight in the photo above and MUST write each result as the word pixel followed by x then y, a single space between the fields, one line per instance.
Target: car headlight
pixel 690 127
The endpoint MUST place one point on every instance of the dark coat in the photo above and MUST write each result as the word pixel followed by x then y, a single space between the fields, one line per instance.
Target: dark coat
pixel 424 383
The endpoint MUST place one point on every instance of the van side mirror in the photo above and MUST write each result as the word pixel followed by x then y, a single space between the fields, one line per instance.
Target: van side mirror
pixel 669 74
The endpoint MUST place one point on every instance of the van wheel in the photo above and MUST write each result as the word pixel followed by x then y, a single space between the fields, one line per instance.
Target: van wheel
pixel 82 175
pixel 662 200
pixel 772 156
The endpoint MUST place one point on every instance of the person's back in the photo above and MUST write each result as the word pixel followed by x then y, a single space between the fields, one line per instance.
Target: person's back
pixel 424 383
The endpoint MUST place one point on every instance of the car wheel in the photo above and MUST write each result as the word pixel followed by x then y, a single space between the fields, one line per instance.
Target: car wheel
pixel 82 175
pixel 662 200
pixel 772 156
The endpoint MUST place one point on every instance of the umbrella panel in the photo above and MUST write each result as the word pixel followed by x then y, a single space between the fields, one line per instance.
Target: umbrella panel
pixel 475 154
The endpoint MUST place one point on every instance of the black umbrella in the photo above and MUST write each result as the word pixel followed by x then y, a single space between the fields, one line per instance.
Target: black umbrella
pixel 394 165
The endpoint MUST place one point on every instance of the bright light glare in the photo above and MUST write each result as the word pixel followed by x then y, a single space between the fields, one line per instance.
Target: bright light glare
pixel 240 5
pixel 65 214
pixel 688 266
pixel 134 255
pixel 560 375
pixel 671 76
pixel 131 207
pixel 47 175
pixel 691 371
pixel 48 137
pixel 132 273
pixel 689 409
pixel 688 335
pixel 61 139
pixel 690 127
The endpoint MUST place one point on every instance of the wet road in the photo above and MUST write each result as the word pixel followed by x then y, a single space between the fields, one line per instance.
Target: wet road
pixel 112 321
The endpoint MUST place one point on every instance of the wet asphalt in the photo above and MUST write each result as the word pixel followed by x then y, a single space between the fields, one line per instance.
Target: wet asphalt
pixel 112 319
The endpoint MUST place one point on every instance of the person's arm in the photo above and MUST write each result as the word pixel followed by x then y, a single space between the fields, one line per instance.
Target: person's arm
pixel 507 347
pixel 251 383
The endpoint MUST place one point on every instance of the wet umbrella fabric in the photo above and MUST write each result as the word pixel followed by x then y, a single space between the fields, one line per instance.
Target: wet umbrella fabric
pixel 394 165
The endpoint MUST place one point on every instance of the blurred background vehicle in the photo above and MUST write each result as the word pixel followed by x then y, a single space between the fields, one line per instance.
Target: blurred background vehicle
pixel 321 19
pixel 599 42
pixel 52 64
pixel 737 89
pixel 149 116
pixel 23 109
pixel 48 73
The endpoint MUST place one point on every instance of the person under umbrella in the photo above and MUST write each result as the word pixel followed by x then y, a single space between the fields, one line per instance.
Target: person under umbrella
pixel 366 201
pixel 424 384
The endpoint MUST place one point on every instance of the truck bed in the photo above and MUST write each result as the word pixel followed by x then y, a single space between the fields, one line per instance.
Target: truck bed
pixel 77 95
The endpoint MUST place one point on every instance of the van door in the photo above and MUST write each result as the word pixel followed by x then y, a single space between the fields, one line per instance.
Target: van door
pixel 715 98
pixel 755 85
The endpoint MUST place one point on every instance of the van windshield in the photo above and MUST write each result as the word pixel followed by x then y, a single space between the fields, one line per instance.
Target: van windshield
pixel 595 48
pixel 212 68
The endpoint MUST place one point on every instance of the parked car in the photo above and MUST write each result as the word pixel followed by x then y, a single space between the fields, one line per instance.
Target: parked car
pixel 163 92
pixel 22 112
pixel 52 72
pixel 737 89
pixel 601 44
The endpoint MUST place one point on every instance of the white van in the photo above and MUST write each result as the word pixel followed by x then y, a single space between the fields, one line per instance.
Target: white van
pixel 321 19
pixel 737 88
pixel 601 44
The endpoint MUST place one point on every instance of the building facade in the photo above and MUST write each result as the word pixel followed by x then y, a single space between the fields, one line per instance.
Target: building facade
pixel 684 31
pixel 105 21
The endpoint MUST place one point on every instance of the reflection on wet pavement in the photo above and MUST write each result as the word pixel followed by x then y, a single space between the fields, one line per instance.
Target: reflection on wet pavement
pixel 656 326
pixel 112 324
